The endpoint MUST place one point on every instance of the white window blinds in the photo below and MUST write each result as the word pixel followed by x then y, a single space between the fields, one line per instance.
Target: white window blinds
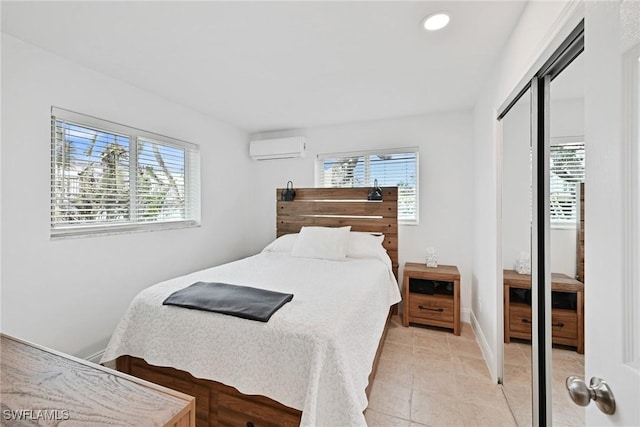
pixel 107 177
pixel 390 167
pixel 161 182
pixel 566 172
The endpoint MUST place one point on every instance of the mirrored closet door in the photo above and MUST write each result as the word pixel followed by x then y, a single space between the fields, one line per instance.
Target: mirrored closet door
pixel 516 258
pixel 566 211
pixel 543 241
pixel 563 201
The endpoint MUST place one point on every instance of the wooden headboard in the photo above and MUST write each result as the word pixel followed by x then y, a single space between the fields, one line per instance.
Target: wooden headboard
pixel 580 235
pixel 337 207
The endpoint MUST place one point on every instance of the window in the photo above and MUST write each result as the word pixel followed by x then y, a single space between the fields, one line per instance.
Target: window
pixel 390 167
pixel 566 167
pixel 109 177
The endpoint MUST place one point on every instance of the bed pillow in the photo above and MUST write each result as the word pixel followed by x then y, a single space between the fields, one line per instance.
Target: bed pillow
pixel 282 244
pixel 322 242
pixel 364 245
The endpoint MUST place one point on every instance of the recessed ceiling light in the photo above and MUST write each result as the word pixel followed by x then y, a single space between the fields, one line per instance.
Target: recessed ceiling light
pixel 436 21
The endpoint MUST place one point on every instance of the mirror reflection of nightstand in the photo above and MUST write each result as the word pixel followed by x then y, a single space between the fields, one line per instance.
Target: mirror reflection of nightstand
pixel 567 313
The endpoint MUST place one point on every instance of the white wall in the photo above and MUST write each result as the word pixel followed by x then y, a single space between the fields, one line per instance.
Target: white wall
pixel 532 39
pixel 69 294
pixel 567 120
pixel 444 142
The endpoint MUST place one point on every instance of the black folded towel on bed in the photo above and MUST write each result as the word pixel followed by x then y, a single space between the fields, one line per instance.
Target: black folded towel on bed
pixel 240 301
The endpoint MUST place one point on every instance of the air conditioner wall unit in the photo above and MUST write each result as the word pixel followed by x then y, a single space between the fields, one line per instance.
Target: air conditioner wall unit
pixel 278 148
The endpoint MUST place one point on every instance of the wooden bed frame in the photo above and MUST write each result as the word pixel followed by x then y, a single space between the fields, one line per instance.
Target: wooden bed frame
pixel 221 405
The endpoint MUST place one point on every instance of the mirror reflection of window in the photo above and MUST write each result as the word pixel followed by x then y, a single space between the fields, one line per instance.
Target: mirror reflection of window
pixel 566 168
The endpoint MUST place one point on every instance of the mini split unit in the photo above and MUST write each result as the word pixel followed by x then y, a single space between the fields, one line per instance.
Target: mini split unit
pixel 278 148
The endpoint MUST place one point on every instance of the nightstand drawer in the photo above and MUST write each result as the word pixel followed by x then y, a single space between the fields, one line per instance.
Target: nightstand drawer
pixel 564 323
pixel 433 307
pixel 520 320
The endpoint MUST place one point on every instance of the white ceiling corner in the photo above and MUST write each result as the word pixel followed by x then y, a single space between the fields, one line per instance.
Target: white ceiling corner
pixel 280 65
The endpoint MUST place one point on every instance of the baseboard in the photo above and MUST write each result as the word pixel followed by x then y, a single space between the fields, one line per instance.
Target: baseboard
pixel 487 353
pixel 465 315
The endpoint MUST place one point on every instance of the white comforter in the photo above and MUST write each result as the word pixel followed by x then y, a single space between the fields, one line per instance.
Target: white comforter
pixel 315 354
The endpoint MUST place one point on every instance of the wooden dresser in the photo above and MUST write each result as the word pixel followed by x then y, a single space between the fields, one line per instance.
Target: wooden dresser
pixel 567 313
pixel 431 296
pixel 39 386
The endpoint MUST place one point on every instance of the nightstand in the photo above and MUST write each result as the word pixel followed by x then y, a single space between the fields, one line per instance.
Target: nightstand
pixel 567 309
pixel 431 296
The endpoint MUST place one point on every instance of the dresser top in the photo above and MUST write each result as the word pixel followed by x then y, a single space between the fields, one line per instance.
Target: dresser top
pixel 441 270
pixel 45 383
pixel 559 282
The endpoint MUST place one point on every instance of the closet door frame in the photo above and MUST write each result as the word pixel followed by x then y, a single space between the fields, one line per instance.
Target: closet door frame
pixel 540 252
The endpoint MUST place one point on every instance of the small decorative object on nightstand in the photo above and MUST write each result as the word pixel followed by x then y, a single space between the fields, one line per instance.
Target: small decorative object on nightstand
pixel 431 296
pixel 432 258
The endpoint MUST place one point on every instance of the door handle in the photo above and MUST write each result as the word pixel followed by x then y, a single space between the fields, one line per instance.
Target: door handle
pixel 597 390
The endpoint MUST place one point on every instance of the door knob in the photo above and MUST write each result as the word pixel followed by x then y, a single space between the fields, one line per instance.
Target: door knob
pixel 597 390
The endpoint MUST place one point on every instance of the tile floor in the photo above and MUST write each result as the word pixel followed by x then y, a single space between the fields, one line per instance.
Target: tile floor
pixel 517 384
pixel 430 377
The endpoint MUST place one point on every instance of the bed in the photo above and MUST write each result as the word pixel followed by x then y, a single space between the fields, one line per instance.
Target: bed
pixel 313 362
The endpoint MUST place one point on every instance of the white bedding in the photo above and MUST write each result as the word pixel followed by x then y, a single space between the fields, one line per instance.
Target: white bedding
pixel 315 354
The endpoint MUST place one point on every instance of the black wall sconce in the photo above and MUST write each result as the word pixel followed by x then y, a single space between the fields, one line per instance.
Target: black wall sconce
pixel 376 192
pixel 288 194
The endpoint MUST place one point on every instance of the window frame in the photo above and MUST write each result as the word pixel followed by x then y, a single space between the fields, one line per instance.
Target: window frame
pixel 319 171
pixel 554 222
pixel 191 179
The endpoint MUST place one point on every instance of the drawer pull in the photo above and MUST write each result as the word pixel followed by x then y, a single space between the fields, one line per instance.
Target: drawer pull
pixel 422 307
pixel 249 424
pixel 558 325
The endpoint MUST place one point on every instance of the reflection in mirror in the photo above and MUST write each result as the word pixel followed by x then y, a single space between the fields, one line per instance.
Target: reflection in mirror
pixel 516 249
pixel 566 168
pixel 566 182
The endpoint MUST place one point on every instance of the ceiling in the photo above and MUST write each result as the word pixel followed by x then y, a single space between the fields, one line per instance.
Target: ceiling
pixel 280 65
